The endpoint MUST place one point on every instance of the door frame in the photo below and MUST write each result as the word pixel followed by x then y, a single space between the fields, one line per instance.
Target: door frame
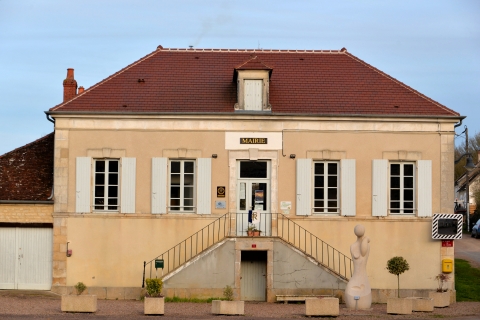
pixel 265 224
pixel 251 154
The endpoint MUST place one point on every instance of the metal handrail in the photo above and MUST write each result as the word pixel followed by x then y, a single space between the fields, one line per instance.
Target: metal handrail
pixel 190 247
pixel 284 228
pixel 302 239
pixel 310 244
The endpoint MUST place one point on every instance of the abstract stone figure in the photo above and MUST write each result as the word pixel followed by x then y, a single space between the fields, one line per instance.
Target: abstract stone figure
pixel 358 286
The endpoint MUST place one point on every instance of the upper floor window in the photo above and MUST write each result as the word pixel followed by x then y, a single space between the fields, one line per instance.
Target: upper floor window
pixel 253 86
pixel 326 182
pixel 182 185
pixel 253 95
pixel 106 190
pixel 402 187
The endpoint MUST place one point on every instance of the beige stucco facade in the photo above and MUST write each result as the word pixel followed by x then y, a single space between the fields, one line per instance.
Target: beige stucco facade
pixel 109 248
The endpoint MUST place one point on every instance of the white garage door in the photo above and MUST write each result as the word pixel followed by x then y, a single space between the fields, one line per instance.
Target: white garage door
pixel 26 258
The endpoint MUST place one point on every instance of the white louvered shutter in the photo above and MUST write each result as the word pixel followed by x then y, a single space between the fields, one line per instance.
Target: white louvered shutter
pixel 159 185
pixel 347 187
pixel 127 196
pixel 204 186
pixel 82 184
pixel 379 187
pixel 304 187
pixel 425 188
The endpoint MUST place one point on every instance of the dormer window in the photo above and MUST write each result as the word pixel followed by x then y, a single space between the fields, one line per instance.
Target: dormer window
pixel 253 86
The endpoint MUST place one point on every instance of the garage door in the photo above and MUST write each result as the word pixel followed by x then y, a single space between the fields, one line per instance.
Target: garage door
pixel 26 258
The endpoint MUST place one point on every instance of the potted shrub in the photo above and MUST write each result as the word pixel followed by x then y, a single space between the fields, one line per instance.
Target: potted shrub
pixel 397 266
pixel 252 231
pixel 154 302
pixel 228 306
pixel 441 297
pixel 79 302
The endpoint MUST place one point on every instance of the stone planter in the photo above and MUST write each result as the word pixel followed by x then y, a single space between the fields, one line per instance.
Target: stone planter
pixel 76 303
pixel 322 307
pixel 440 299
pixel 228 307
pixel 399 306
pixel 422 304
pixel 154 305
pixel 253 233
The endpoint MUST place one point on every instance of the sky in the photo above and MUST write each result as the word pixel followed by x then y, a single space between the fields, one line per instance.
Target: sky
pixel 431 45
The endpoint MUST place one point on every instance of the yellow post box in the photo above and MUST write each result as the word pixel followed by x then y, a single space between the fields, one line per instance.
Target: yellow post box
pixel 447 265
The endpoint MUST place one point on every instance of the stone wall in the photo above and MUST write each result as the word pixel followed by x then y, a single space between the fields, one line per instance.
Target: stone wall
pixel 26 213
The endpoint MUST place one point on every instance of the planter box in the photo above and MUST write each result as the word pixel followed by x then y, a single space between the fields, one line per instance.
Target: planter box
pixel 322 307
pixel 399 306
pixel 440 299
pixel 422 304
pixel 228 307
pixel 154 305
pixel 82 303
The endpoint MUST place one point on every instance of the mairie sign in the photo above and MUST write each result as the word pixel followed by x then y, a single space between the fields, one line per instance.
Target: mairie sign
pixel 253 140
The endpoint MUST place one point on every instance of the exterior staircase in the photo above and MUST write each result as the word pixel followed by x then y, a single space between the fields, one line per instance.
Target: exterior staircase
pixel 214 234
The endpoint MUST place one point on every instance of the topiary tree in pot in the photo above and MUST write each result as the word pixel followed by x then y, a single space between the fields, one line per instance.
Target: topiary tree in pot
pixel 154 302
pixel 397 266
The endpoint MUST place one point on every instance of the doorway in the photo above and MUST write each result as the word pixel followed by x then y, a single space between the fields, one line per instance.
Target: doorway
pixel 253 197
pixel 253 278
pixel 26 258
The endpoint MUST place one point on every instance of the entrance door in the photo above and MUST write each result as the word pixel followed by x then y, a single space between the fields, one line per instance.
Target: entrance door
pixel 253 197
pixel 26 258
pixel 253 279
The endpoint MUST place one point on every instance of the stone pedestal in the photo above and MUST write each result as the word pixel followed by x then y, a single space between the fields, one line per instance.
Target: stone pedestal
pixel 322 307
pixel 228 307
pixel 440 299
pixel 76 303
pixel 154 305
pixel 422 304
pixel 399 306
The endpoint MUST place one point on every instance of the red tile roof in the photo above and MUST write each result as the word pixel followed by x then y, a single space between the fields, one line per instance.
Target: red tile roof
pixel 26 173
pixel 302 82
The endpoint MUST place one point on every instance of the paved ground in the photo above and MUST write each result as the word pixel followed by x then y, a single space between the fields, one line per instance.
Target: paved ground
pixel 16 304
pixel 468 248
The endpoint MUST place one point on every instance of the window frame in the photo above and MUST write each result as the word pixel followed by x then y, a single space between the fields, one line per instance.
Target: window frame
pixel 106 185
pixel 181 185
pixel 326 187
pixel 402 210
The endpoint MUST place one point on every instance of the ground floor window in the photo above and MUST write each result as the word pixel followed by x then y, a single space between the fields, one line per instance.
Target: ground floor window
pixel 402 187
pixel 182 185
pixel 106 185
pixel 325 187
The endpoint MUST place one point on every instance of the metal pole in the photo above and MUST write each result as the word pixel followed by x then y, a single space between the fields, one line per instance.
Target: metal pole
pixel 467 188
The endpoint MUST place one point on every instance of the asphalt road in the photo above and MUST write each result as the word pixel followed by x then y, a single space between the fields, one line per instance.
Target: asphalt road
pixel 468 248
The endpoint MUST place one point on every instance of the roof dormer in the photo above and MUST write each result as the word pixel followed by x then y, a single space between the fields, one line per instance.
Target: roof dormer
pixel 253 82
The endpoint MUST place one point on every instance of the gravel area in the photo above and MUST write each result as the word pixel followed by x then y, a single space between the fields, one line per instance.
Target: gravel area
pixel 45 305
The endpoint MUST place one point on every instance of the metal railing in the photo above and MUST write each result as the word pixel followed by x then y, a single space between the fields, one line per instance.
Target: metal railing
pixel 310 244
pixel 270 225
pixel 190 247
pixel 302 239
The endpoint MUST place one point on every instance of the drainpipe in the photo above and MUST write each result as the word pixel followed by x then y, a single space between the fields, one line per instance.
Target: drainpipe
pixel 50 118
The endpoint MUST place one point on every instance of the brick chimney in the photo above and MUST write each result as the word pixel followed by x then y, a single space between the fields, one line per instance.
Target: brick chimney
pixel 80 90
pixel 69 86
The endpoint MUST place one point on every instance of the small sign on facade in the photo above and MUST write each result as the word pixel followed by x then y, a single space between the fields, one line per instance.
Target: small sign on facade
pixel 253 141
pixel 220 205
pixel 221 192
pixel 447 226
pixel 286 206
pixel 447 243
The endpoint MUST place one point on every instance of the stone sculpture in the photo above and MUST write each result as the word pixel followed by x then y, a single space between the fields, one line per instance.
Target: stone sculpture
pixel 358 285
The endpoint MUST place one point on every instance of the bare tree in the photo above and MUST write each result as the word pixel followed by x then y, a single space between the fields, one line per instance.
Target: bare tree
pixel 473 146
